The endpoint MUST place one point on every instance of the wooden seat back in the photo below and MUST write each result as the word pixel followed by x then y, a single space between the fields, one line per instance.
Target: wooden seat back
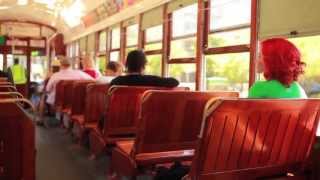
pixel 250 139
pixel 67 97
pixel 79 97
pixel 171 121
pixel 8 88
pixel 123 109
pixel 95 103
pixel 4 95
pixel 17 143
pixel 3 79
pixel 60 94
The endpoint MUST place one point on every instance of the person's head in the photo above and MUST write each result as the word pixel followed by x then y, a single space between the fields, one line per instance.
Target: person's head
pixel 280 60
pixel 87 62
pixel 65 63
pixel 16 61
pixel 114 69
pixel 136 61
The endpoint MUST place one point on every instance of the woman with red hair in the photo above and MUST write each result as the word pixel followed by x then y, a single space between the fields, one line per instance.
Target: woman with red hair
pixel 280 62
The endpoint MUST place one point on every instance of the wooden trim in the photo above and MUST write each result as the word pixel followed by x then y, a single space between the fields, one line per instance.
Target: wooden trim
pixel 28 22
pixel 166 37
pixel 141 34
pixel 253 42
pixel 109 41
pixel 231 28
pixel 123 37
pixel 154 52
pixel 112 50
pixel 188 36
pixel 206 27
pixel 182 61
pixel 201 21
pixel 228 49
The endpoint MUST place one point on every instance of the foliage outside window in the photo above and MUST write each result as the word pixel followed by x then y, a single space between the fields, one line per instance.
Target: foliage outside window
pixel 102 63
pixel 185 73
pixel 309 48
pixel 228 72
pixel 153 66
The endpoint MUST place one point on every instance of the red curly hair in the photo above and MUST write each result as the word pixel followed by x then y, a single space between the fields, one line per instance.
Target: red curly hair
pixel 281 61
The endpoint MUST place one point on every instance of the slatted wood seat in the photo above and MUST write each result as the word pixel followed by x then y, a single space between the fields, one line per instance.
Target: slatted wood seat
pixel 67 97
pixel 78 100
pixel 59 95
pixel 17 142
pixel 8 88
pixel 121 117
pixel 169 125
pixel 252 139
pixel 95 105
pixel 10 95
pixel 3 79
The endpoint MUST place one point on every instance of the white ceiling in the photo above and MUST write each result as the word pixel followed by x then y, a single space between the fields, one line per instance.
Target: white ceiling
pixel 46 12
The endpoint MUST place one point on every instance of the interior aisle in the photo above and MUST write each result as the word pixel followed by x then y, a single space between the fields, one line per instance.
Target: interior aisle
pixel 59 158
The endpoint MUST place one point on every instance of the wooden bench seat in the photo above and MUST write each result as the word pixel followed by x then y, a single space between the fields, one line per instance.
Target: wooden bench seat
pixel 121 117
pixel 95 105
pixel 255 139
pixel 17 142
pixel 170 122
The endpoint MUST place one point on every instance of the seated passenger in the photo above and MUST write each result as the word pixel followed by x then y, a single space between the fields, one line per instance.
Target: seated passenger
pixel 113 70
pixel 88 67
pixel 135 65
pixel 65 73
pixel 280 62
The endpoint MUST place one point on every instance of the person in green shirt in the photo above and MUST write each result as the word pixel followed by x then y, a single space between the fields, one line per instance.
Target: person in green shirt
pixel 280 62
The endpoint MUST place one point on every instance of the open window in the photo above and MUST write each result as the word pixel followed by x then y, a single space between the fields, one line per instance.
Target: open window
pixel 114 51
pixel 102 50
pixel 227 45
pixel 132 33
pixel 153 40
pixel 183 29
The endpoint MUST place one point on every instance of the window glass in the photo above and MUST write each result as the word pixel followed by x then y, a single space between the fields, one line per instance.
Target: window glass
pixel 229 38
pixel 185 73
pixel 229 13
pixel 228 72
pixel 309 48
pixel 154 34
pixel 183 48
pixel 102 63
pixel 76 49
pixel 102 41
pixel 184 21
pixel 115 33
pixel 132 35
pixel 153 66
pixel 153 46
pixel 115 56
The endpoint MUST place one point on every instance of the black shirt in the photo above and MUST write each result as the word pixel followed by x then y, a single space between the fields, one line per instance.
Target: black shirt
pixel 144 80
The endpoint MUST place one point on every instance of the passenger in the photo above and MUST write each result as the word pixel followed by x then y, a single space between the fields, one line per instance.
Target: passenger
pixel 88 67
pixel 280 62
pixel 65 73
pixel 135 65
pixel 113 70
pixel 17 73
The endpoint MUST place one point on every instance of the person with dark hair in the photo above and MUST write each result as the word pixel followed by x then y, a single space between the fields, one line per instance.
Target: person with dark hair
pixel 113 70
pixel 280 62
pixel 135 65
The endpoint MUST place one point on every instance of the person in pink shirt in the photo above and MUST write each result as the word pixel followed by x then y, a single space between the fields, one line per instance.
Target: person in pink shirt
pixel 65 73
pixel 88 67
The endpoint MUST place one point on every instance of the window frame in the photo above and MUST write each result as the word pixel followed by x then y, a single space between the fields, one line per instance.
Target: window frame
pixel 110 38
